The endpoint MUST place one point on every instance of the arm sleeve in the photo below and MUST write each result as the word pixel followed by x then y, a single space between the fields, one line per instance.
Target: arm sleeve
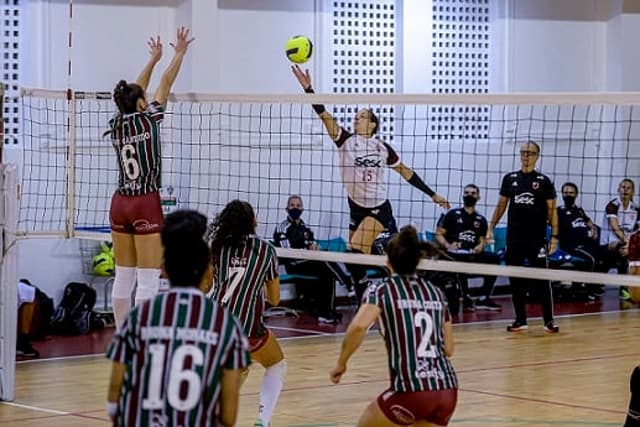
pixel 551 189
pixel 611 209
pixel 342 137
pixel 484 227
pixel 272 269
pixel 155 111
pixel 504 187
pixel 392 157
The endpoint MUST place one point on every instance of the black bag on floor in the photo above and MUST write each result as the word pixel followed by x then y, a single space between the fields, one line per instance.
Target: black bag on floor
pixel 73 314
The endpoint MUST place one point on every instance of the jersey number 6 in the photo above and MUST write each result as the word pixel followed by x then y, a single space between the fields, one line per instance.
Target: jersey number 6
pixel 130 162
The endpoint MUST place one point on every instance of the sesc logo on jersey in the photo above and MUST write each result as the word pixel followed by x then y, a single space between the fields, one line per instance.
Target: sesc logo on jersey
pixel 524 199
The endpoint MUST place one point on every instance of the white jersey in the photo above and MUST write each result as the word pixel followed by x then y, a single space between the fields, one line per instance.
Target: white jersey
pixel 363 166
pixel 627 219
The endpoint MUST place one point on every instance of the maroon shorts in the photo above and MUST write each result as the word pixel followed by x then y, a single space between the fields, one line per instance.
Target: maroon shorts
pixel 256 343
pixel 634 249
pixel 406 409
pixel 136 214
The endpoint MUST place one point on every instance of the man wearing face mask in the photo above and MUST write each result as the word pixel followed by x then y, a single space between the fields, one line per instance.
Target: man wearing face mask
pixel 461 232
pixel 295 234
pixel 578 235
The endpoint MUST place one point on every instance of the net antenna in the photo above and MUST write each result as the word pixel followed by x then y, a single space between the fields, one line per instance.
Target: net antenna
pixel 1 120
pixel 71 132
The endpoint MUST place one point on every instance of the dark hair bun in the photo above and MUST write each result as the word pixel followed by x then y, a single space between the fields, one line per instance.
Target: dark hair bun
pixel 183 227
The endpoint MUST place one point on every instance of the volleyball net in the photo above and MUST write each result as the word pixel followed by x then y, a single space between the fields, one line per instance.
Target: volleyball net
pixel 264 148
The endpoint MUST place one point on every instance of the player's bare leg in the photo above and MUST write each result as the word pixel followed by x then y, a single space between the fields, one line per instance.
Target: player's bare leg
pixel 271 357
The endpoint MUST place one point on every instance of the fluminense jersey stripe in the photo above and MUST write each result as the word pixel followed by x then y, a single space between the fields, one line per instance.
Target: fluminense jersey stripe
pixel 136 139
pixel 240 276
pixel 176 347
pixel 413 313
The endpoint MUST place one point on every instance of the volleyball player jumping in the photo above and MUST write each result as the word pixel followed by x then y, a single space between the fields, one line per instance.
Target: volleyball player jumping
pixel 135 214
pixel 363 160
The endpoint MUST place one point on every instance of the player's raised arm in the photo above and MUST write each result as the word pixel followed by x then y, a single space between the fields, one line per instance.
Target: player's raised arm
pixel 414 179
pixel 330 123
pixel 155 49
pixel 169 76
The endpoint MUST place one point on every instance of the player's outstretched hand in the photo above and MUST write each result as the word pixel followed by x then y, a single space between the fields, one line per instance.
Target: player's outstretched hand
pixel 182 40
pixel 441 201
pixel 155 48
pixel 303 76
pixel 336 373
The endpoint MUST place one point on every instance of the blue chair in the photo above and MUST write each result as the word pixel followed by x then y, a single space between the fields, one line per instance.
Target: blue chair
pixel 335 244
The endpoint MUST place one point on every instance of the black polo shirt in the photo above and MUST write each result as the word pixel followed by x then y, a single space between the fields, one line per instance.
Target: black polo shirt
pixel 528 194
pixel 573 228
pixel 462 227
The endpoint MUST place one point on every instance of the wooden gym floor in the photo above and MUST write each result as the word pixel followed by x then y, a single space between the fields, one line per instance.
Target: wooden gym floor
pixel 576 378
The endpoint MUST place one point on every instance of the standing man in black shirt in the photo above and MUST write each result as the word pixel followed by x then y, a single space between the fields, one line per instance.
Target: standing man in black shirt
pixel 461 232
pixel 530 197
pixel 295 234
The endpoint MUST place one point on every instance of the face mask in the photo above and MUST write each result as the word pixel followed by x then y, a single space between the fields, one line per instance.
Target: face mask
pixel 294 213
pixel 469 201
pixel 569 200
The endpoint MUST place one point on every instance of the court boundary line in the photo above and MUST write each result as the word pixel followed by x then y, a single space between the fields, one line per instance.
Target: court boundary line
pixel 36 408
pixel 317 334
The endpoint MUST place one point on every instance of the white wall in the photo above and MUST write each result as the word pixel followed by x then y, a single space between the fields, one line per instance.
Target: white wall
pixel 537 45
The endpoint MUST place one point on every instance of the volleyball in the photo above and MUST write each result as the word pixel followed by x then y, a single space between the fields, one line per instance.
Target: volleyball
pixel 299 49
pixel 103 264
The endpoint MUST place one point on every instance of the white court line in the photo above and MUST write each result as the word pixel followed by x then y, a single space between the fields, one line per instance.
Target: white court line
pixel 317 334
pixel 53 359
pixel 306 331
pixel 35 408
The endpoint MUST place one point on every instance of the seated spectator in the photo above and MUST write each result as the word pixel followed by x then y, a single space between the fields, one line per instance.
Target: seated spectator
pixel 580 237
pixel 27 308
pixel 294 233
pixel 620 221
pixel 461 232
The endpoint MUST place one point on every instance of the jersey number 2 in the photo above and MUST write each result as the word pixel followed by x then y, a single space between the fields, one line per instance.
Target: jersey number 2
pixel 130 162
pixel 423 321
pixel 177 374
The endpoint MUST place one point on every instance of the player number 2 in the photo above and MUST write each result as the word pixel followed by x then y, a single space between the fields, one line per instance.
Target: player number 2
pixel 178 375
pixel 423 321
pixel 235 274
pixel 130 162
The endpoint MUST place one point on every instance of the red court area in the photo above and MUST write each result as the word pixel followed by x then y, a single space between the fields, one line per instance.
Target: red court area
pixel 304 324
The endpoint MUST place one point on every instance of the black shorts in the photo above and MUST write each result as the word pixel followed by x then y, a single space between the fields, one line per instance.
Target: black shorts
pixel 382 213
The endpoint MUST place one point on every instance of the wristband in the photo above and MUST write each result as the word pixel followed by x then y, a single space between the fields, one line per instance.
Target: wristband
pixel 318 108
pixel 554 236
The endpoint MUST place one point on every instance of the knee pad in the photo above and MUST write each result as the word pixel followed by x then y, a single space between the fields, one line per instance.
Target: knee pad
pixel 123 282
pixel 148 284
pixel 279 370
